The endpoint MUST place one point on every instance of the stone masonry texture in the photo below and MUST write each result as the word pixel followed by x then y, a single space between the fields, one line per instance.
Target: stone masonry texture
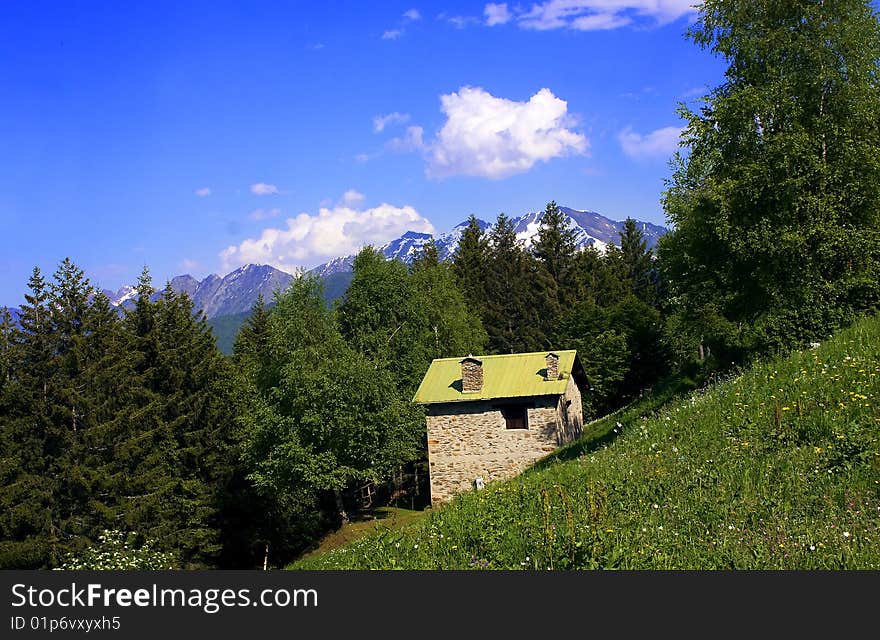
pixel 467 440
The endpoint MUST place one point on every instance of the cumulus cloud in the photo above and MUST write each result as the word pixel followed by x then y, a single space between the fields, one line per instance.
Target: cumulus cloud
pixel 264 214
pixel 263 189
pixel 589 15
pixel 410 141
pixel 412 14
pixel 352 197
pixel 392 34
pixel 308 240
pixel 203 192
pixel 380 122
pixel 496 14
pixel 495 137
pixel 660 143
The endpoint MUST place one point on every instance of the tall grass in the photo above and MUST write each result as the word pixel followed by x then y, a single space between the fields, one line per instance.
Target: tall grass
pixel 778 468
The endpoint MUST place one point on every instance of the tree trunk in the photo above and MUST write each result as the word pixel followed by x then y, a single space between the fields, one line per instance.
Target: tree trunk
pixel 340 508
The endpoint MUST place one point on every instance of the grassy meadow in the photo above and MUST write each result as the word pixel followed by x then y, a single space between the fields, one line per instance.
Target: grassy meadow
pixel 776 468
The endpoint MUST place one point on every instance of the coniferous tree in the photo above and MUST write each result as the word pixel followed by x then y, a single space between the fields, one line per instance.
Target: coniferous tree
pixel 28 490
pixel 520 296
pixel 637 263
pixel 427 257
pixel 598 278
pixel 470 266
pixel 556 248
pixel 251 347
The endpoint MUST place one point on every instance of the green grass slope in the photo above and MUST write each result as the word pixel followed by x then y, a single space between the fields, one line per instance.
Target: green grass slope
pixel 778 468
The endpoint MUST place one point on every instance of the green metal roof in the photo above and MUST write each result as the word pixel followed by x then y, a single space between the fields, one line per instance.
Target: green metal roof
pixel 505 376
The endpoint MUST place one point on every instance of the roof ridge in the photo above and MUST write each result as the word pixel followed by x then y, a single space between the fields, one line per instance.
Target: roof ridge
pixel 505 355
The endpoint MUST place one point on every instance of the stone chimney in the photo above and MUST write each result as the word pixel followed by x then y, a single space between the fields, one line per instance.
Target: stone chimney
pixel 552 366
pixel 471 374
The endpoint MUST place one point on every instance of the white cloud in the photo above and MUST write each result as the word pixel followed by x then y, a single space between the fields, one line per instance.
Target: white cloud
pixel 600 22
pixel 590 15
pixel 204 191
pixel 352 197
pixel 392 34
pixel 362 157
pixel 380 122
pixel 308 240
pixel 412 14
pixel 189 265
pixel 263 189
pixel 660 143
pixel 460 22
pixel 496 14
pixel 410 141
pixel 264 214
pixel 495 137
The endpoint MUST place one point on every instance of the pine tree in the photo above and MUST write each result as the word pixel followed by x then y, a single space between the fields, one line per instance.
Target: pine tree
pixel 427 257
pixel 470 265
pixel 556 248
pixel 520 297
pixel 637 263
pixel 27 524
pixel 251 348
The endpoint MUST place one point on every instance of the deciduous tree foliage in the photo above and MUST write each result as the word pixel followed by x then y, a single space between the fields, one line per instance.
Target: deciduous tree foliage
pixel 777 203
pixel 334 418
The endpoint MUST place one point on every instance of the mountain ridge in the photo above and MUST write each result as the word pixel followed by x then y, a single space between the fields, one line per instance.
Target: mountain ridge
pixel 236 292
pixel 591 229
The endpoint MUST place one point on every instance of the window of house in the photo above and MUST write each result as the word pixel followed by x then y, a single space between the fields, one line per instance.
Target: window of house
pixel 516 416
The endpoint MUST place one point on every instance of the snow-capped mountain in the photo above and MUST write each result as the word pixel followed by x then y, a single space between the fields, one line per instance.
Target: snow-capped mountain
pixel 219 296
pixel 591 229
pixel 237 291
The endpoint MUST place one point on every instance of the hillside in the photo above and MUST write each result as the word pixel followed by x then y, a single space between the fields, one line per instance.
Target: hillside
pixel 778 468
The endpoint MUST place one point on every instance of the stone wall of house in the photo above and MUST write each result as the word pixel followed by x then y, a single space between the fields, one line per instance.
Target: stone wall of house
pixel 571 413
pixel 467 440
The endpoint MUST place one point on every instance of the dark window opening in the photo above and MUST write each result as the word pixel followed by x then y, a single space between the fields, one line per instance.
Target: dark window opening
pixel 516 416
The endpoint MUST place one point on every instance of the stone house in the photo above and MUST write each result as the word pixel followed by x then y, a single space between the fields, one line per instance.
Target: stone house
pixel 490 417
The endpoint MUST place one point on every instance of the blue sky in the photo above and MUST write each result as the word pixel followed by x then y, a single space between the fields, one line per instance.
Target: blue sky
pixel 195 137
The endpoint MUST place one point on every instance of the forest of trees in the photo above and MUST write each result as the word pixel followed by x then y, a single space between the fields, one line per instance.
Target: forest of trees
pixel 136 423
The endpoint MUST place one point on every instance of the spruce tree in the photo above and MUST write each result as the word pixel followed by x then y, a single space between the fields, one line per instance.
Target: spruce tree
pixel 28 518
pixel 427 257
pixel 520 297
pixel 556 248
pixel 470 264
pixel 637 263
pixel 251 348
